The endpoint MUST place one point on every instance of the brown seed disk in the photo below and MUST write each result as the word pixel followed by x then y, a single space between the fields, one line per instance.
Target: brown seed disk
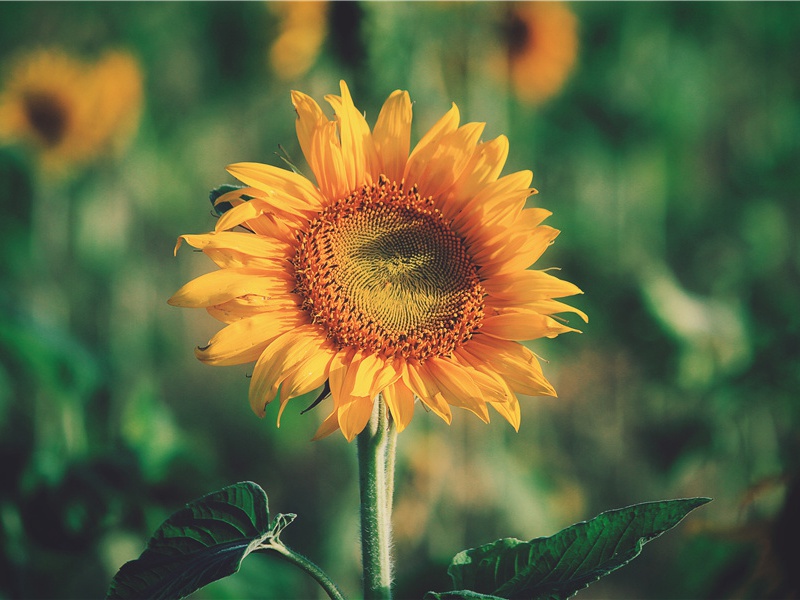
pixel 383 271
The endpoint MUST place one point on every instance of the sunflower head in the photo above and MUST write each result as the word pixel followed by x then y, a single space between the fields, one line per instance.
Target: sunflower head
pixel 301 31
pixel 542 45
pixel 395 272
pixel 69 110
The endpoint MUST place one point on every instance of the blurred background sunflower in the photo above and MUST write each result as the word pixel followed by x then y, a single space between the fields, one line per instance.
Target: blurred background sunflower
pixel 663 136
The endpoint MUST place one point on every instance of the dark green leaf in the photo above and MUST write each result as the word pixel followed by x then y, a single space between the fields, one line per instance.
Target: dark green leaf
pixel 204 541
pixel 556 567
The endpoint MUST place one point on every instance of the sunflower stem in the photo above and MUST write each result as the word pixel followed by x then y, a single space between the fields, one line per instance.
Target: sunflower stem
pixel 375 463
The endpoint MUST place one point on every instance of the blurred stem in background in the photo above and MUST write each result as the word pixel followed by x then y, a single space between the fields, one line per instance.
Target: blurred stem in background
pixel 376 450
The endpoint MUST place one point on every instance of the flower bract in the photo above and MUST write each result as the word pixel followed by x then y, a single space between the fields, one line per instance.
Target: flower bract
pixel 397 271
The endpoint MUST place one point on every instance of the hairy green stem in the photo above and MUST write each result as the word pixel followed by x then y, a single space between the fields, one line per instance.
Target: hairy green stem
pixel 375 461
pixel 309 567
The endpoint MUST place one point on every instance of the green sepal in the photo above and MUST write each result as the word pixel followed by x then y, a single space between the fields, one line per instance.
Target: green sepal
pixel 201 543
pixel 557 567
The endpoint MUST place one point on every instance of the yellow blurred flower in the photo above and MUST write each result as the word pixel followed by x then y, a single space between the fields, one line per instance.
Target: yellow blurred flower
pixel 542 48
pixel 69 110
pixel 303 26
pixel 397 274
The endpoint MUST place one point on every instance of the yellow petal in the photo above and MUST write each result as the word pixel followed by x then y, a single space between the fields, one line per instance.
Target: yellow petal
pixel 520 250
pixel 400 401
pixel 294 190
pixel 272 202
pixel 328 163
pixel 309 374
pixel 498 203
pixel 510 411
pixel 426 147
pixel 277 360
pixel 243 341
pixel 234 249
pixel 220 286
pixel 416 378
pixel 262 219
pixel 512 362
pixel 358 149
pixel 361 374
pixel 392 135
pixel 354 416
pixel 337 372
pixel 552 307
pixel 527 286
pixel 457 386
pixel 444 165
pixel 244 307
pixel 328 426
pixel 309 118
pixel 522 325
pixel 484 167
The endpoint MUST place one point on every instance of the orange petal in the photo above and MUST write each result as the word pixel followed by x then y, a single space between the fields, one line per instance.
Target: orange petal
pixel 361 375
pixel 509 407
pixel 510 411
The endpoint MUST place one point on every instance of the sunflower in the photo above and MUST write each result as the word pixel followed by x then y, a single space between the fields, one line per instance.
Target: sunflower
pixel 542 48
pixel 397 274
pixel 303 26
pixel 69 110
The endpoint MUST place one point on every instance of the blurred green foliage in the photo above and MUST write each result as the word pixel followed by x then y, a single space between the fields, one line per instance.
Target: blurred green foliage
pixel 670 161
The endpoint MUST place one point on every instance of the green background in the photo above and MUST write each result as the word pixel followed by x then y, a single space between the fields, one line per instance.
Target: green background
pixel 670 162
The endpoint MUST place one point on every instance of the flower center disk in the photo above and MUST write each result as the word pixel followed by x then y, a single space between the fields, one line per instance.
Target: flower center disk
pixel 383 271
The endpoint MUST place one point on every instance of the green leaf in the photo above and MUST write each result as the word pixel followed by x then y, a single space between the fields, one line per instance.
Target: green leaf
pixel 557 567
pixel 460 595
pixel 203 542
